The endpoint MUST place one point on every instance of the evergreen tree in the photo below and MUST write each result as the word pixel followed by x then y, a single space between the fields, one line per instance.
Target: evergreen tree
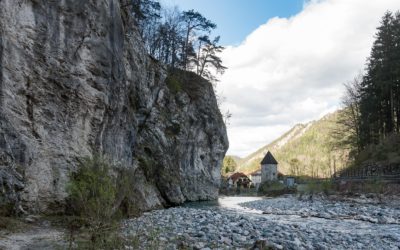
pixel 396 70
pixel 208 56
pixel 377 103
pixel 194 21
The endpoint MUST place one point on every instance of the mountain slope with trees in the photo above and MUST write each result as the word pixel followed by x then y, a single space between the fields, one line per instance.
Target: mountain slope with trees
pixel 307 149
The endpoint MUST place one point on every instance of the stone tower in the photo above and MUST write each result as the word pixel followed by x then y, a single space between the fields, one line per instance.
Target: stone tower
pixel 269 168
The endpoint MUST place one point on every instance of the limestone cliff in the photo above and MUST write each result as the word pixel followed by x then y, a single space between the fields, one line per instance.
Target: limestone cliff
pixel 74 81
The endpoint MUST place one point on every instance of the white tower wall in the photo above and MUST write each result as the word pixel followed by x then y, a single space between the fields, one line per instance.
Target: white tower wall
pixel 269 172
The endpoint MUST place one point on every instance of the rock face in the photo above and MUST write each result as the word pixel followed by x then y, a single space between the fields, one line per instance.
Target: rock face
pixel 75 81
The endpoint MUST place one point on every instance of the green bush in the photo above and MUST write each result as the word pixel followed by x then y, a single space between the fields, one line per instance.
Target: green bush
pixel 92 190
pixel 92 196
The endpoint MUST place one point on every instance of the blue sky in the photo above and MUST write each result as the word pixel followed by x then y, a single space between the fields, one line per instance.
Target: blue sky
pixel 238 18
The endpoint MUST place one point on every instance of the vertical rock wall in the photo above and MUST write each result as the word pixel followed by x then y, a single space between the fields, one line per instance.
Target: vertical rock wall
pixel 75 81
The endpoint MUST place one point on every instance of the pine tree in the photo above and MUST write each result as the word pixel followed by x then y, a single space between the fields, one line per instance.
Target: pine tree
pixel 377 104
pixel 396 68
pixel 208 56
pixel 194 21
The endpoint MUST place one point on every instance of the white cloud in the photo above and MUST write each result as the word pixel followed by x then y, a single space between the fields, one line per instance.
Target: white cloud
pixel 291 70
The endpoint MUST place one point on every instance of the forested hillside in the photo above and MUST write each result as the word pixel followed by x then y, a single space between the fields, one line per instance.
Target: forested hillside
pixel 307 149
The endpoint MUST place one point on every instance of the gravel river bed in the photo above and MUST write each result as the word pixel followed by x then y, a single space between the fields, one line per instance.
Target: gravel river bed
pixel 278 223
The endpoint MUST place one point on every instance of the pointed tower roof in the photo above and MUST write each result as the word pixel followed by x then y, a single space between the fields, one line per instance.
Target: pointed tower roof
pixel 269 159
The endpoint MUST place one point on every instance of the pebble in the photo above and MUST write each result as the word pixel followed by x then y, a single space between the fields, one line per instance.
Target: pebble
pixel 320 207
pixel 282 227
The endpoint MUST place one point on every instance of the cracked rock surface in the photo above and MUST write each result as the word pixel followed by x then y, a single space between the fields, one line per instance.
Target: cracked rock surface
pixel 75 80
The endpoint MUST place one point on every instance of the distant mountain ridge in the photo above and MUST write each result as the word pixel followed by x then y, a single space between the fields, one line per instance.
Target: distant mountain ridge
pixel 305 149
pixel 294 133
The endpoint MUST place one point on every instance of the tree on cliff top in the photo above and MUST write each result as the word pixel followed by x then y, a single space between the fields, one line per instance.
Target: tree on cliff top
pixel 178 39
pixel 194 21
pixel 208 56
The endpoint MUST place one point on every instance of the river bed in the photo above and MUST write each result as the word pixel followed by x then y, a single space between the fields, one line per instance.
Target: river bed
pixel 239 223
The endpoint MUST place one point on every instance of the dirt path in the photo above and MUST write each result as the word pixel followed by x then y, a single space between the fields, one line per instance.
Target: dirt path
pixel 36 238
